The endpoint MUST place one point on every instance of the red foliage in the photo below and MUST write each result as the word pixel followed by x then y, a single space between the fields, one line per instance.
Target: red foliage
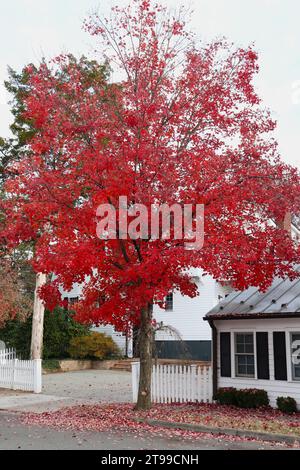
pixel 184 125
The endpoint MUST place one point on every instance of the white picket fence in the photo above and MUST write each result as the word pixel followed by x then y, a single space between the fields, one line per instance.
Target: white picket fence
pixel 18 374
pixel 174 383
pixel 7 354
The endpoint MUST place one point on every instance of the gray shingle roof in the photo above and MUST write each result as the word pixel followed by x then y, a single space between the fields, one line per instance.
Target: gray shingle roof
pixel 282 298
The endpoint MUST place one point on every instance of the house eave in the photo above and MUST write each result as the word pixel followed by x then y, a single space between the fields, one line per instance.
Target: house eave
pixel 249 316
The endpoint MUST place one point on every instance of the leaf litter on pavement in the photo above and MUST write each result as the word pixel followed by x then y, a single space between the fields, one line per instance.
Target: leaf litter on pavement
pixel 123 417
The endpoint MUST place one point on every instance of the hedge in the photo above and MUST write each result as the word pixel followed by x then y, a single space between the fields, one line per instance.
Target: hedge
pixel 245 398
pixel 94 346
pixel 287 405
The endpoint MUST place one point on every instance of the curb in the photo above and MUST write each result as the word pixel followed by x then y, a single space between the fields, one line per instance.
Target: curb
pixel 225 431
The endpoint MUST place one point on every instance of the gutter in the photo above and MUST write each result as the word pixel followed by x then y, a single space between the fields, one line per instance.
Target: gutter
pixel 214 356
pixel 249 316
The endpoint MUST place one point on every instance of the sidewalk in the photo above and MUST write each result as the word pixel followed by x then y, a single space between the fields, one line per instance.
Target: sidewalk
pixel 35 402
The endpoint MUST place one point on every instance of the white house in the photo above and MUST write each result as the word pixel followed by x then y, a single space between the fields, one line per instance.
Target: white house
pixel 183 333
pixel 256 340
pixel 186 334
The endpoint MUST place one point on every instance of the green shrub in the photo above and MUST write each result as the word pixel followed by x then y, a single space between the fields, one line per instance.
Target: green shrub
pixel 94 346
pixel 59 328
pixel 245 398
pixel 226 396
pixel 287 404
pixel 17 334
pixel 51 364
pixel 252 398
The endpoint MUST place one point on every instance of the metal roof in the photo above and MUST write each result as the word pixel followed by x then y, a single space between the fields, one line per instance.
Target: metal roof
pixel 282 298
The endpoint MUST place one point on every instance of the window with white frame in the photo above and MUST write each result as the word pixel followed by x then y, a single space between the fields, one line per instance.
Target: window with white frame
pixel 295 355
pixel 169 301
pixel 244 355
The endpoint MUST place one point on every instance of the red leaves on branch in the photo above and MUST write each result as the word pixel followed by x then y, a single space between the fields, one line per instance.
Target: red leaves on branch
pixel 184 125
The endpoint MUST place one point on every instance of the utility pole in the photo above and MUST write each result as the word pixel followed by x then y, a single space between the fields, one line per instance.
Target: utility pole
pixel 37 320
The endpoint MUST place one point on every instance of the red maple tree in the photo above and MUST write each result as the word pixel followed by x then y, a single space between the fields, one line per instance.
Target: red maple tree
pixel 183 125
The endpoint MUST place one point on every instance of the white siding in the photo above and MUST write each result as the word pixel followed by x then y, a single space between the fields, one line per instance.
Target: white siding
pixel 187 314
pixel 275 388
pixel 74 292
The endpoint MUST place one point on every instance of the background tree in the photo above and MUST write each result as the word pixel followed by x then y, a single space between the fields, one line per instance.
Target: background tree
pixel 22 129
pixel 59 329
pixel 184 125
pixel 13 150
pixel 14 303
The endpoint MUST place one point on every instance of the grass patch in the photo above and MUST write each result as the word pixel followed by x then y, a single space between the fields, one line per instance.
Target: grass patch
pixel 51 364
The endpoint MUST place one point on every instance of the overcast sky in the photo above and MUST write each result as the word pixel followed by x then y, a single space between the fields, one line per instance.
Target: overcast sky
pixel 31 29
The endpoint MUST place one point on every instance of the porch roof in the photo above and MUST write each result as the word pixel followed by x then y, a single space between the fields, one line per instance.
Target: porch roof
pixel 282 299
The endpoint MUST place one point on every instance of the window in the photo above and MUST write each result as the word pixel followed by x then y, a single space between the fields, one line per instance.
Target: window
pixel 169 301
pixel 244 355
pixel 69 301
pixel 295 355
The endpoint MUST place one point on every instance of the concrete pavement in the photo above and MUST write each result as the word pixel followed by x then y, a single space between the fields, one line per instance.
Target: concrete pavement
pixel 101 385
pixel 69 389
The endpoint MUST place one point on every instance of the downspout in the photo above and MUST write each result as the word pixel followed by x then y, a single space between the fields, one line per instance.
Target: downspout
pixel 214 356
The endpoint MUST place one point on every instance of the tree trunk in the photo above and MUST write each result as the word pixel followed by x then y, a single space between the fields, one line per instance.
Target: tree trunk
pixel 37 320
pixel 145 346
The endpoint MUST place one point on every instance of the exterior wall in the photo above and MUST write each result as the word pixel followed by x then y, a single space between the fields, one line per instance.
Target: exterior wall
pixel 275 388
pixel 186 318
pixel 75 292
pixel 191 336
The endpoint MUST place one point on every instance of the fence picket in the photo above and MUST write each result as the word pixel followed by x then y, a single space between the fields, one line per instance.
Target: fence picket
pixel 18 374
pixel 170 383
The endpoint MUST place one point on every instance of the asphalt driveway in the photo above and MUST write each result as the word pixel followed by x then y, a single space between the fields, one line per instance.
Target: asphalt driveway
pixel 99 385
pixel 71 388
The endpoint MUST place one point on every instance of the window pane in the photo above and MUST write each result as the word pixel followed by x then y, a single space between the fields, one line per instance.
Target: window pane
pixel 240 338
pixel 245 365
pixel 169 301
pixel 242 370
pixel 242 360
pixel 295 336
pixel 249 348
pixel 244 343
pixel 250 360
pixel 249 339
pixel 297 372
pixel 295 355
pixel 240 348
